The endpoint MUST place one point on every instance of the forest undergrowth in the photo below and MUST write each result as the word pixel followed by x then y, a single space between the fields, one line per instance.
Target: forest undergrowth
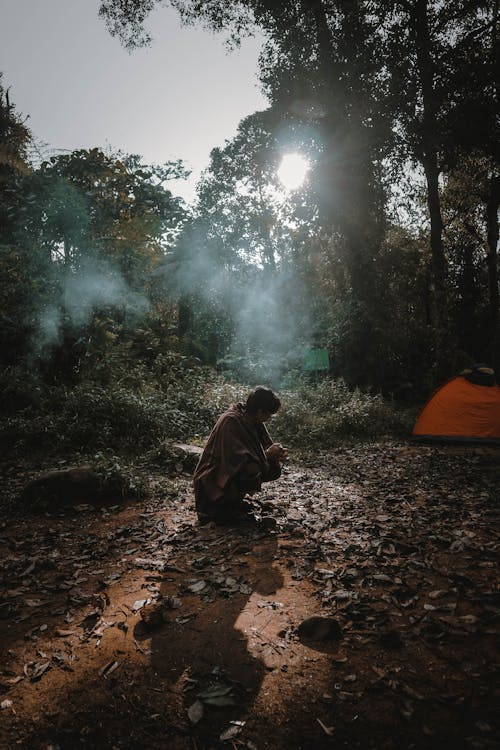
pixel 135 408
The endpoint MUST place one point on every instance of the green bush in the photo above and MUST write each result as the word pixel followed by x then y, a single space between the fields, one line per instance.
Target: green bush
pixel 19 389
pixel 324 414
pixel 95 416
pixel 180 403
pixel 136 413
pixel 89 417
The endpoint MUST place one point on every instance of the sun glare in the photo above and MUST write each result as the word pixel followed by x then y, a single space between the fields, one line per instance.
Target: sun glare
pixel 292 171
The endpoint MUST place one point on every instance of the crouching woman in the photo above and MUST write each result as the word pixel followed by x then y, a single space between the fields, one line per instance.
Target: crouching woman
pixel 238 457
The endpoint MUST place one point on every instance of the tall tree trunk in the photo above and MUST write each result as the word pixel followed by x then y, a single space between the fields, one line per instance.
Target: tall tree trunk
pixel 67 252
pixel 492 232
pixel 345 182
pixel 184 316
pixel 467 333
pixel 268 255
pixel 492 219
pixel 419 23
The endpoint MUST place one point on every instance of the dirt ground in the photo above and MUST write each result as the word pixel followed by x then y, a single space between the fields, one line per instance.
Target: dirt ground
pixel 133 627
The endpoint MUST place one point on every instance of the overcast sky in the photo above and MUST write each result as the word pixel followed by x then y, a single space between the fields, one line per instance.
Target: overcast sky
pixel 176 99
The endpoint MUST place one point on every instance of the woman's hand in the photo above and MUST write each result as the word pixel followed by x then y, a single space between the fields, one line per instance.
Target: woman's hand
pixel 276 452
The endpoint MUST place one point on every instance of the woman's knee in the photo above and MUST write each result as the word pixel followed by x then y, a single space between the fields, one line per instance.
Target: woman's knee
pixel 249 478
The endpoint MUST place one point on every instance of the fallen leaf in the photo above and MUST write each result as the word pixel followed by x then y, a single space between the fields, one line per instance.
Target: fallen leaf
pixel 195 588
pixel 38 670
pixel 327 730
pixel 214 691
pixel 232 731
pixel 14 680
pixel 108 669
pixel 195 712
pixel 223 700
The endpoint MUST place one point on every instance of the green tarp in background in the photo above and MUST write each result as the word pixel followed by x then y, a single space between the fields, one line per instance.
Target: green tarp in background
pixel 316 359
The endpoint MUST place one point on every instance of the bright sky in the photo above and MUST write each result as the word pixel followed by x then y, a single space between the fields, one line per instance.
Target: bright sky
pixel 179 98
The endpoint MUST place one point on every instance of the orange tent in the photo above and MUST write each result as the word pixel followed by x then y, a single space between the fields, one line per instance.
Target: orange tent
pixel 466 408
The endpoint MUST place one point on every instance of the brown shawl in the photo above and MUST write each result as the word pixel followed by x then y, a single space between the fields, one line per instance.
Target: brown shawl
pixel 234 441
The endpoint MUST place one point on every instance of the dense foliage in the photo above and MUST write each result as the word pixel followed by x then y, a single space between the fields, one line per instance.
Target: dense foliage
pixel 145 413
pixel 325 414
pixel 394 103
pixel 127 318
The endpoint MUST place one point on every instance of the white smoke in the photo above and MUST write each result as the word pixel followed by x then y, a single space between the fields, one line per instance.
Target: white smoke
pixel 82 292
pixel 90 289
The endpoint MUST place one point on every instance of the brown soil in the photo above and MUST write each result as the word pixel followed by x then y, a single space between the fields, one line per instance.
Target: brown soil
pixel 398 544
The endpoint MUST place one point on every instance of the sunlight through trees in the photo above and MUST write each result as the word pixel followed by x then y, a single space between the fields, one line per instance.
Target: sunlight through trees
pixel 293 171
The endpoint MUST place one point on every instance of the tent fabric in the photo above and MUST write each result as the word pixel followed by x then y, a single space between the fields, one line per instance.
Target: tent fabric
pixel 461 411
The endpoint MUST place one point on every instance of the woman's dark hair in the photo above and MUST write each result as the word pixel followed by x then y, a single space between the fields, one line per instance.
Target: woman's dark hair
pixel 262 398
